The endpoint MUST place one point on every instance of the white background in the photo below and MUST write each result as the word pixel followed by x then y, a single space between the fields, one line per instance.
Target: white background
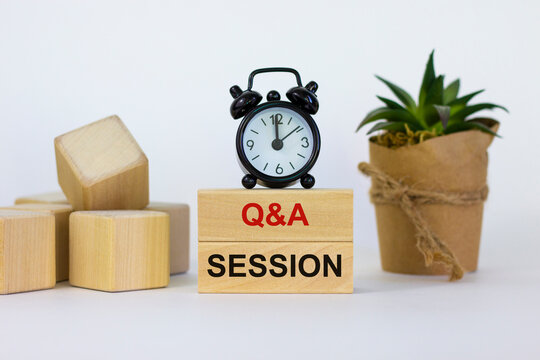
pixel 165 68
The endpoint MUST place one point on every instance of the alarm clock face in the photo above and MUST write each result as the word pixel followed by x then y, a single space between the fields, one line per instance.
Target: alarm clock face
pixel 279 142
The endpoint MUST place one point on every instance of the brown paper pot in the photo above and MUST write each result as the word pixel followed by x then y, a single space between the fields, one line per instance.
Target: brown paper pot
pixel 451 163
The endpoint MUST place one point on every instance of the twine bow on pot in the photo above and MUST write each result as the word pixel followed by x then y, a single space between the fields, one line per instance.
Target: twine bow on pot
pixel 387 190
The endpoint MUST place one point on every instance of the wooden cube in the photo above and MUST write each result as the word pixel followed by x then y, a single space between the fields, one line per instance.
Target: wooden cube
pixel 100 166
pixel 275 241
pixel 26 251
pixel 61 214
pixel 119 250
pixel 46 198
pixel 179 219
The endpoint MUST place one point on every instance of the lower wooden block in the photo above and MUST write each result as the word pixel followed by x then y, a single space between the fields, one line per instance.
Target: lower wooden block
pixel 179 218
pixel 276 267
pixel 119 250
pixel 26 251
pixel 61 214
pixel 46 198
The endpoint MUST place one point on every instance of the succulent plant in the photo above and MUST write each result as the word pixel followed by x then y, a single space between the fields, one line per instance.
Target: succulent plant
pixel 439 109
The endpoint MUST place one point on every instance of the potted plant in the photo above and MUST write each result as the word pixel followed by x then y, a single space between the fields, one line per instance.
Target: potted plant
pixel 428 164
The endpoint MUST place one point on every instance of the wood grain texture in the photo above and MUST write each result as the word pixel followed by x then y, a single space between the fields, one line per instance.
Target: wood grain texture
pixel 272 284
pixel 179 231
pixel 119 250
pixel 45 198
pixel 329 214
pixel 27 251
pixel 100 166
pixel 61 214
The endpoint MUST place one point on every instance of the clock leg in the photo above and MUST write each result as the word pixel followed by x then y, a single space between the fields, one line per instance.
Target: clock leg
pixel 307 181
pixel 249 181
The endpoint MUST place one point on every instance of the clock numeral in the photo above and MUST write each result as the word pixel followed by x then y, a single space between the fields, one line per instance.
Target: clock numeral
pixel 276 117
pixel 265 166
pixel 299 130
pixel 289 121
pixel 250 144
pixel 291 165
pixel 255 157
pixel 302 156
pixel 279 170
pixel 253 131
pixel 307 142
pixel 263 121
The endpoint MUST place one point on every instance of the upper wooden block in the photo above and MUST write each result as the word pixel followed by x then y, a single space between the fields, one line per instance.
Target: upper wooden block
pixel 27 251
pixel 46 198
pixel 179 230
pixel 276 215
pixel 119 250
pixel 100 166
pixel 61 214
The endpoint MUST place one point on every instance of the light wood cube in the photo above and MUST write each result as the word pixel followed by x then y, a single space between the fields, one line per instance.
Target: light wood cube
pixel 61 214
pixel 46 198
pixel 26 251
pixel 179 218
pixel 119 250
pixel 100 166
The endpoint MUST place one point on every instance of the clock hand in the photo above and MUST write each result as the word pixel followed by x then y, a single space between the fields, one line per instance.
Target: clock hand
pixel 296 128
pixel 277 144
pixel 276 122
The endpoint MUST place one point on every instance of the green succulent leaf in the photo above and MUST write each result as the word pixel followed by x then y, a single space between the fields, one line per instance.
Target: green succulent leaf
pixel 392 115
pixel 469 125
pixel 369 115
pixel 429 77
pixel 464 99
pixel 455 127
pixel 444 114
pixel 434 96
pixel 401 94
pixel 393 126
pixel 436 91
pixel 451 91
pixel 471 109
pixel 483 127
pixel 390 103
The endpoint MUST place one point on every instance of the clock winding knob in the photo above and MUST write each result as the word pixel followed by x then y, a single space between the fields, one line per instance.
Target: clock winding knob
pixel 312 86
pixel 273 95
pixel 235 91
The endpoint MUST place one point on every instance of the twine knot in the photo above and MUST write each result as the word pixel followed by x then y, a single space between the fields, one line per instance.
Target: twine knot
pixel 401 192
pixel 387 190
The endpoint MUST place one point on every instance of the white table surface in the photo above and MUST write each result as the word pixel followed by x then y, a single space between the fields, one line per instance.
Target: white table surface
pixel 492 313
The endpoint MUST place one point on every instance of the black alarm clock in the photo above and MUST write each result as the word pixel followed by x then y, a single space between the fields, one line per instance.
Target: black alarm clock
pixel 277 141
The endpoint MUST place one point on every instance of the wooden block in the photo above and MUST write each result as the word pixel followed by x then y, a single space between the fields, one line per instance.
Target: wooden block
pixel 245 215
pixel 179 231
pixel 100 166
pixel 276 267
pixel 275 241
pixel 46 198
pixel 26 251
pixel 119 250
pixel 61 214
